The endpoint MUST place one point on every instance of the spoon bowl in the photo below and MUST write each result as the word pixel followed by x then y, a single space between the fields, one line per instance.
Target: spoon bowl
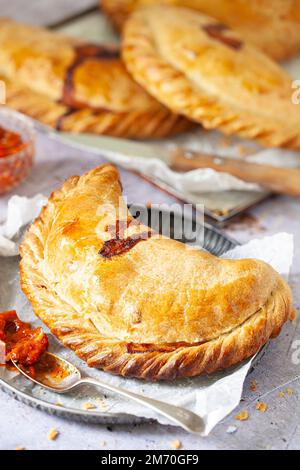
pixel 60 376
pixel 51 372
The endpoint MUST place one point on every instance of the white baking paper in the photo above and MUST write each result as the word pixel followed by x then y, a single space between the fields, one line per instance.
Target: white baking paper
pixel 208 180
pixel 212 397
pixel 20 212
pixel 196 181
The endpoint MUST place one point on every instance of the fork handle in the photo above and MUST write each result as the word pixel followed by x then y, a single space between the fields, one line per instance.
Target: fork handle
pixel 180 416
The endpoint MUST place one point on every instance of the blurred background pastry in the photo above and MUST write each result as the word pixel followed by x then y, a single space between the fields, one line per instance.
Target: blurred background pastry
pixel 76 86
pixel 272 25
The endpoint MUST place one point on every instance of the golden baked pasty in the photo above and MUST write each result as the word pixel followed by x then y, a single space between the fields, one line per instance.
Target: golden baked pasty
pixel 77 87
pixel 133 303
pixel 271 25
pixel 198 67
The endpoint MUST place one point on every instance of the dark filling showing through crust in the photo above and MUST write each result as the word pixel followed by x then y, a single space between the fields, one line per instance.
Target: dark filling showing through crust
pixel 141 348
pixel 83 53
pixel 216 31
pixel 119 245
pixel 60 120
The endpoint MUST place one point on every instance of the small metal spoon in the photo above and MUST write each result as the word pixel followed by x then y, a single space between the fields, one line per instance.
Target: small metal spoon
pixel 62 376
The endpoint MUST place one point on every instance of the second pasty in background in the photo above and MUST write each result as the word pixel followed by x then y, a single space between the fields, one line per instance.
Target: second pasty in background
pixel 272 25
pixel 77 87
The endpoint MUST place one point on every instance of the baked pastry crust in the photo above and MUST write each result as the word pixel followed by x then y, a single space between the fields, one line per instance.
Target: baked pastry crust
pixel 140 305
pixel 77 87
pixel 203 70
pixel 271 25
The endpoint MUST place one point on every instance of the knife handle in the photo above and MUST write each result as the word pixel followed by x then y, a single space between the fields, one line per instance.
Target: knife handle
pixel 277 179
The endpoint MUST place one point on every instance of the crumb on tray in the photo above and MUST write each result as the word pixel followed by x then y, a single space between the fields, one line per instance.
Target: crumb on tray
pixel 260 406
pixel 242 416
pixel 88 406
pixel 253 386
pixel 175 444
pixel 52 434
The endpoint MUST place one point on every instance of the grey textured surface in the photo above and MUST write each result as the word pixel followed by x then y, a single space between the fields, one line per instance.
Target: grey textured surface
pixel 277 428
pixel 44 12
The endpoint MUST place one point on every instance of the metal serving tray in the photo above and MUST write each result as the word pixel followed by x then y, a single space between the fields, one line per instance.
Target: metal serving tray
pixel 211 239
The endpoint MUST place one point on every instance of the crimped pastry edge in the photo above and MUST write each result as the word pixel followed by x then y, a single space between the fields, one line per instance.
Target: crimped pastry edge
pixel 63 112
pixel 112 355
pixel 118 12
pixel 150 71
pixel 157 122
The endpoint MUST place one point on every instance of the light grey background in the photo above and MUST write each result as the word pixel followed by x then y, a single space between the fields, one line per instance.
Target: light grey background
pixel 44 12
pixel 278 428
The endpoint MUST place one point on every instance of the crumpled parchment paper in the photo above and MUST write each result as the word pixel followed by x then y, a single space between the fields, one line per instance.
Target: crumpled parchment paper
pixel 212 397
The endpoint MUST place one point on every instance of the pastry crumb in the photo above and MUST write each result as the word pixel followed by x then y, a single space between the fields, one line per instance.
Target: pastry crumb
pixel 260 406
pixel 231 429
pixel 176 444
pixel 281 394
pixel 88 406
pixel 290 391
pixel 52 434
pixel 253 386
pixel 242 416
pixel 20 448
pixel 58 403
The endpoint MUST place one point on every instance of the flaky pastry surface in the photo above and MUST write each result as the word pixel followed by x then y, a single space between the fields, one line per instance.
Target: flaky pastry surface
pixel 271 25
pixel 79 87
pixel 141 305
pixel 198 67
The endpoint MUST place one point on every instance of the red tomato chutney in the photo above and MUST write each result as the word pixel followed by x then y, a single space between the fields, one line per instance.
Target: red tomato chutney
pixel 10 142
pixel 23 343
pixel 16 159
